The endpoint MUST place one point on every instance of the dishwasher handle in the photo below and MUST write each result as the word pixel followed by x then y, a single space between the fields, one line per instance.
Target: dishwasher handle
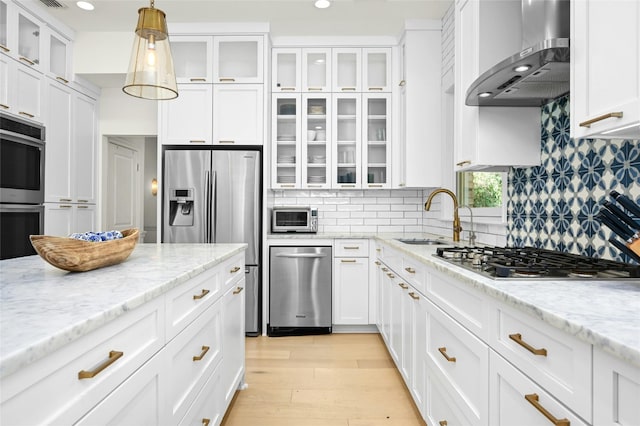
pixel 301 255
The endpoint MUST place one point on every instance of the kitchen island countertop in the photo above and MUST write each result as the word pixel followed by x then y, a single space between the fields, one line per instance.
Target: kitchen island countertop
pixel 42 308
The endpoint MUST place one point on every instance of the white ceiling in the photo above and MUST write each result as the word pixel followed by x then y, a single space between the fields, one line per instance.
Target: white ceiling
pixel 286 17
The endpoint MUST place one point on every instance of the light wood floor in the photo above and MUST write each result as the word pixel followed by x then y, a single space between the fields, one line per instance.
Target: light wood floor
pixel 329 380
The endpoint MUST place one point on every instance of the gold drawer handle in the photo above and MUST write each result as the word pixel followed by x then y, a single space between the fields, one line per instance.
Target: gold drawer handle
pixel 5 48
pixel 588 123
pixel 201 295
pixel 30 62
pixel 347 186
pixel 414 296
pixel 65 206
pixel 442 423
pixel 83 207
pixel 197 79
pixel 27 114
pixel 4 106
pixel 402 83
pixel 403 286
pixel 227 80
pixel 376 88
pixel 533 400
pixel 316 89
pixel 443 351
pixel 348 89
pixel 390 275
pixel 410 270
pixel 234 269
pixel 518 339
pixel 205 422
pixel 375 185
pixel 205 349
pixel 64 80
pixel 287 89
pixel 113 357
pixel 348 260
pixel 377 263
pixel 83 201
pixel 65 200
pixel 351 247
pixel 197 141
pixel 229 141
pixel 385 269
pixel 238 290
pixel 462 163
pixel 287 186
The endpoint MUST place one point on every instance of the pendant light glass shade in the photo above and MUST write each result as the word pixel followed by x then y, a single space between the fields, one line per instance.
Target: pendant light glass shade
pixel 151 74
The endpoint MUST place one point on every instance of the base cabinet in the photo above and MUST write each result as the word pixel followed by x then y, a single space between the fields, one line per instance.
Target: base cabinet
pixel 616 391
pixel 233 340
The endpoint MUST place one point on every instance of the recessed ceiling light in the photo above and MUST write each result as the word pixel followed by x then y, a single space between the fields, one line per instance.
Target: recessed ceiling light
pixel 484 94
pixel 85 5
pixel 322 4
pixel 522 68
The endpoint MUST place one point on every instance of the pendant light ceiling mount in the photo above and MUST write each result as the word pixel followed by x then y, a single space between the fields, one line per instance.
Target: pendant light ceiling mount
pixel 151 74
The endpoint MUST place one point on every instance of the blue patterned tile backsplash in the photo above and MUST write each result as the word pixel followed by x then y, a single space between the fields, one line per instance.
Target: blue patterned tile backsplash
pixel 553 205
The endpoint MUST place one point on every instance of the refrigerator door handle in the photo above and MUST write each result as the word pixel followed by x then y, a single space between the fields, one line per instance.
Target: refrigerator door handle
pixel 207 208
pixel 214 204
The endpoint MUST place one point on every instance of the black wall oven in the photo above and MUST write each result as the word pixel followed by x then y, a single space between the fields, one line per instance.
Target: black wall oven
pixel 22 153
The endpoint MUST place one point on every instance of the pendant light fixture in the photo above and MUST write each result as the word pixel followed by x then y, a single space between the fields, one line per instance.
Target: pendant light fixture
pixel 151 74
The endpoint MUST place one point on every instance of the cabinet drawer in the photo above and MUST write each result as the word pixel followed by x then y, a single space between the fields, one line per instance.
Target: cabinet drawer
pixel 192 356
pixel 54 384
pixel 440 407
pixel 465 305
pixel 461 359
pixel 415 273
pixel 555 360
pixel 516 400
pixel 351 248
pixel 616 391
pixel 232 270
pixel 208 404
pixel 186 302
pixel 391 258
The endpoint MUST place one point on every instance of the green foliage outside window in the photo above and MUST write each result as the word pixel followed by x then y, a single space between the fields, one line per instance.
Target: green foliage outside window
pixel 480 189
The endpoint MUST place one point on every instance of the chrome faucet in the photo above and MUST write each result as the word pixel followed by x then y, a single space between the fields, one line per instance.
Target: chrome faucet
pixel 456 219
pixel 472 234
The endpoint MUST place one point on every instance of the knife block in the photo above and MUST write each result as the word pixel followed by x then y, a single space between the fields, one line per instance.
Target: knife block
pixel 635 247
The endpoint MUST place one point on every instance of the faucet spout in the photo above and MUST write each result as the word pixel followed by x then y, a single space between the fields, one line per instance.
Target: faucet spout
pixel 456 219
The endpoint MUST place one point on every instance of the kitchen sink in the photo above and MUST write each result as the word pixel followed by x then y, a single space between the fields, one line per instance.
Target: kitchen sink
pixel 421 241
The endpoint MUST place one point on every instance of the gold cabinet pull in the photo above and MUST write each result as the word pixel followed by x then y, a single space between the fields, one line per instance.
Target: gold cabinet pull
pixel 197 141
pixel 30 62
pixel 238 290
pixel 443 351
pixel 287 89
pixel 227 80
pixel 201 295
pixel 27 114
pixel 348 89
pixel 83 201
pixel 347 186
pixel 65 206
pixel 385 270
pixel 113 357
pixel 199 79
pixel 462 163
pixel 4 106
pixel 83 207
pixel 534 400
pixel 377 263
pixel 390 275
pixel 205 349
pixel 403 286
pixel 351 247
pixel 518 339
pixel 5 48
pixel 410 270
pixel 287 186
pixel 442 423
pixel 377 185
pixel 227 141
pixel 588 123
pixel 376 88
pixel 234 269
pixel 348 260
pixel 65 200
pixel 64 80
pixel 414 296
pixel 402 83
pixel 205 422
pixel 314 89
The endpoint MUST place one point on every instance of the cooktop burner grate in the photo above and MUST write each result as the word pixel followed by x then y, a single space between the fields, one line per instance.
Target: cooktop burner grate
pixel 536 263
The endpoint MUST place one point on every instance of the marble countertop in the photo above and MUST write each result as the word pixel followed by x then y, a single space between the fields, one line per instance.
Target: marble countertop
pixel 603 313
pixel 74 303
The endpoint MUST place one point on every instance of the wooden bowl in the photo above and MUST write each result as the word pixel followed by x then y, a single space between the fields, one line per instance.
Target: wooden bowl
pixel 79 256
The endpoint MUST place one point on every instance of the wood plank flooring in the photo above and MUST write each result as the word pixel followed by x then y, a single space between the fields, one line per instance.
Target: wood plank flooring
pixel 329 380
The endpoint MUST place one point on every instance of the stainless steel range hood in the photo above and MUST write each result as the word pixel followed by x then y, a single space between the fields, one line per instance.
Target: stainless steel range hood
pixel 537 74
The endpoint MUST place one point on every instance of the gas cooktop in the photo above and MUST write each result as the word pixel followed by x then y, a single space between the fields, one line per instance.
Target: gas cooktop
pixel 536 263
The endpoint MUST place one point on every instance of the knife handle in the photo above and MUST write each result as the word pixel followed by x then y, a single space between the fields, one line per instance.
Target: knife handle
pixel 626 250
pixel 626 202
pixel 621 215
pixel 615 224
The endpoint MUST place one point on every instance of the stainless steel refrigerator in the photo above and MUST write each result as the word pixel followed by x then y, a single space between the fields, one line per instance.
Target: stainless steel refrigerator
pixel 214 196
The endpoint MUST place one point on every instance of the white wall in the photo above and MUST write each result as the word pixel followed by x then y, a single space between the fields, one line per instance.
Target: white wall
pixel 102 52
pixel 121 114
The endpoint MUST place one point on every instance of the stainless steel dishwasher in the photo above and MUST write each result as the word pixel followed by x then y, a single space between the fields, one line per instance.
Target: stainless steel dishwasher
pixel 299 290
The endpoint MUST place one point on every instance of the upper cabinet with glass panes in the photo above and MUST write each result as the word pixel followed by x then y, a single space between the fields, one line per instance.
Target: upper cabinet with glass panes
pixel 361 70
pixel 301 69
pixel 238 59
pixel 192 58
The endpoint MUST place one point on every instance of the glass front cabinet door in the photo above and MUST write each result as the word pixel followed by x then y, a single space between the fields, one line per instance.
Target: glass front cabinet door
pixel 286 132
pixel 192 58
pixel 285 69
pixel 238 59
pixel 347 141
pixel 316 69
pixel 316 132
pixel 376 152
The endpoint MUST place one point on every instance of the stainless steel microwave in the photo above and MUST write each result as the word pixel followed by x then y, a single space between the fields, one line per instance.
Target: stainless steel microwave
pixel 294 219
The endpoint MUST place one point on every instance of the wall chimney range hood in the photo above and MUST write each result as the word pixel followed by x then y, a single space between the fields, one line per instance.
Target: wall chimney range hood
pixel 537 74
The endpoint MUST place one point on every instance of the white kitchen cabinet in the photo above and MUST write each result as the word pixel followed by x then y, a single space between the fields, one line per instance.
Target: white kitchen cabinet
pixel 7 68
pixel 57 55
pixel 347 141
pixel 316 69
pixel 286 141
pixel 85 149
pixel 286 64
pixel 616 391
pixel 192 58
pixel 28 93
pixel 7 23
pixel 418 306
pixel 605 69
pixel 376 69
pixel 233 329
pixel 301 69
pixel 29 39
pixel 517 400
pixel 63 219
pixel 490 138
pixel 238 114
pixel 238 59
pixel 376 136
pixel 346 69
pixel 315 153
pixel 440 407
pixel 416 156
pixel 59 149
pixel 351 282
pixel 208 408
pixel 187 120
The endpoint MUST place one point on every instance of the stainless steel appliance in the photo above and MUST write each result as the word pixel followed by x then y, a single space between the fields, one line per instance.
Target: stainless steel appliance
pixel 214 196
pixel 299 290
pixel 294 219
pixel 535 263
pixel 22 150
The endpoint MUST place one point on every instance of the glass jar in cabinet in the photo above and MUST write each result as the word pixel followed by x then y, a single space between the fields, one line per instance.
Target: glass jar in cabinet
pixel 316 69
pixel 376 69
pixel 285 139
pixel 347 132
pixel 238 59
pixel 346 69
pixel 192 58
pixel 376 152
pixel 285 68
pixel 316 132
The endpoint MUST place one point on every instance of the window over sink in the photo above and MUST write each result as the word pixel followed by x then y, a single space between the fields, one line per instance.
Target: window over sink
pixel 484 192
